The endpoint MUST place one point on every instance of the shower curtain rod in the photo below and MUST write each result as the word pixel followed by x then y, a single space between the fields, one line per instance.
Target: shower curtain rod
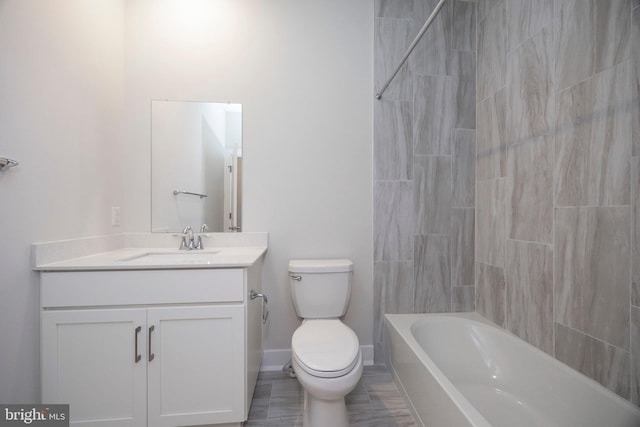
pixel 411 47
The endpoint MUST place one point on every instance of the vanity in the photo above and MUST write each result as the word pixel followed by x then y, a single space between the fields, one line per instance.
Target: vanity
pixel 152 336
pixel 136 332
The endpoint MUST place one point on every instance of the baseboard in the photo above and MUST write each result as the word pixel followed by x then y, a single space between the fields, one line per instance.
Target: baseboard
pixel 367 354
pixel 274 360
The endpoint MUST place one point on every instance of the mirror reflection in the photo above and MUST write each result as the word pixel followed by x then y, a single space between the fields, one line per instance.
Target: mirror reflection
pixel 196 166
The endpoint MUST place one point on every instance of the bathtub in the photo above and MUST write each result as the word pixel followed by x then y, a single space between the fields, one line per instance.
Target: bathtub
pixel 461 370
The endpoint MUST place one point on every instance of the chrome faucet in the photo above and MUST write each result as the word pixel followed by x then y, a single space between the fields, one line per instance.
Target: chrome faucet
pixel 199 244
pixel 187 233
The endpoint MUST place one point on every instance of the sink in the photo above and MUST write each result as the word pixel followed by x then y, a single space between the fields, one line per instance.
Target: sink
pixel 183 257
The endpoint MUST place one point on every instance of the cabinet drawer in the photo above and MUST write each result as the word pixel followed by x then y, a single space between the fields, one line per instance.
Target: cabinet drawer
pixel 108 288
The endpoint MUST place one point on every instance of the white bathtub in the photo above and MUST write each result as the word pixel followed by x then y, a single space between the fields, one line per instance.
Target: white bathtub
pixel 460 370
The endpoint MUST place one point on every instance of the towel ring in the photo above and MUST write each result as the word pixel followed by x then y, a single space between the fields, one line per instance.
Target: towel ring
pixel 7 163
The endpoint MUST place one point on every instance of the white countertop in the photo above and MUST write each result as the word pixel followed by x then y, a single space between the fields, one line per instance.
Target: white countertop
pixel 149 251
pixel 161 258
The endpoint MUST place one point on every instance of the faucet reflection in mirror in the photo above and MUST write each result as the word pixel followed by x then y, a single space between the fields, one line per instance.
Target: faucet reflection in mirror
pixel 196 150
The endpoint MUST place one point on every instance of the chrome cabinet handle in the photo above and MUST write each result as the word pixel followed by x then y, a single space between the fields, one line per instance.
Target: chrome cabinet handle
pixel 253 295
pixel 265 309
pixel 137 355
pixel 151 355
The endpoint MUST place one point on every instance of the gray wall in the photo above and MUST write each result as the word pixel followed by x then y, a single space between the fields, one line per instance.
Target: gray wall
pixel 424 155
pixel 558 203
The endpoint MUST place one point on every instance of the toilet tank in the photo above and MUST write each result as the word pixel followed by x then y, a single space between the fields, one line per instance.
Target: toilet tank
pixel 320 288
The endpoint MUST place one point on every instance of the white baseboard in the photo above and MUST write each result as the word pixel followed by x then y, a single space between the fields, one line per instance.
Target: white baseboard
pixel 274 360
pixel 367 354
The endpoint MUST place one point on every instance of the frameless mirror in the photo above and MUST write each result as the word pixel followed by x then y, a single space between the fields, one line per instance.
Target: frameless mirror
pixel 196 166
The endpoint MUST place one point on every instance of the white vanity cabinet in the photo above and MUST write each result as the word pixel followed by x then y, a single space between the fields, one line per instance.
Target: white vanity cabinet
pixel 87 362
pixel 151 347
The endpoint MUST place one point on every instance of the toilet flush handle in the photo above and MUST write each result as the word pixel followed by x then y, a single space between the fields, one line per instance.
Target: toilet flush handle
pixel 298 278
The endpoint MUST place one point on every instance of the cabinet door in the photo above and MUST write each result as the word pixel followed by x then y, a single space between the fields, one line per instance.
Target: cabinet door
pixel 90 361
pixel 196 366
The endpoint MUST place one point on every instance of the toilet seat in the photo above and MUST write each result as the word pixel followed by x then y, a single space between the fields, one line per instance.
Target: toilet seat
pixel 325 348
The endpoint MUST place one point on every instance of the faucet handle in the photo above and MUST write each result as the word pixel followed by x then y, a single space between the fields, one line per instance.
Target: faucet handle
pixel 199 244
pixel 187 232
pixel 183 244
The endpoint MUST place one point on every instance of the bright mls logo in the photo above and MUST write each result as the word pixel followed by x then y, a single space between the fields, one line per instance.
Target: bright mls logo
pixel 36 415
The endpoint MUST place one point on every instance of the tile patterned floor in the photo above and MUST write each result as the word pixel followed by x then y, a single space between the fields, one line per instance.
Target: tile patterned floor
pixel 375 402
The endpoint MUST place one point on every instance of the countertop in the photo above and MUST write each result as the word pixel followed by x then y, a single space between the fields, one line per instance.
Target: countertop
pixel 160 258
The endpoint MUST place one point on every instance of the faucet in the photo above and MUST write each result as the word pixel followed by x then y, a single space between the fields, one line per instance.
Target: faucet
pixel 199 244
pixel 187 233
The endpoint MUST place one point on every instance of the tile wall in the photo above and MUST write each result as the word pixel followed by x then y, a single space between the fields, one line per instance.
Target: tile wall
pixel 557 249
pixel 424 161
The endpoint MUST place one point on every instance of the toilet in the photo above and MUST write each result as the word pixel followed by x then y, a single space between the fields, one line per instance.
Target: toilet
pixel 325 352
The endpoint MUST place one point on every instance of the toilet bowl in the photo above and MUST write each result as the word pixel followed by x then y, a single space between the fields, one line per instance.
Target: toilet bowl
pixel 325 352
pixel 328 364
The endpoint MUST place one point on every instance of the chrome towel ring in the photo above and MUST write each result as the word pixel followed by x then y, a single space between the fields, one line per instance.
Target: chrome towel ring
pixel 7 163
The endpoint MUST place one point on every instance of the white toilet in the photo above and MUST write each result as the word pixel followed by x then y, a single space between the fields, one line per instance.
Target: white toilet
pixel 325 352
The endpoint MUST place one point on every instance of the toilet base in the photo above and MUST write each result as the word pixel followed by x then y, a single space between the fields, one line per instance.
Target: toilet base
pixel 324 404
pixel 319 412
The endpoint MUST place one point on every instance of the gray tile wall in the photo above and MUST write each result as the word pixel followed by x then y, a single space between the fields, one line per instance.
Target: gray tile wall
pixel 424 161
pixel 558 180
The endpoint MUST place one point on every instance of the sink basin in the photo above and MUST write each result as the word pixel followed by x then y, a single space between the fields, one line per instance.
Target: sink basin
pixel 183 257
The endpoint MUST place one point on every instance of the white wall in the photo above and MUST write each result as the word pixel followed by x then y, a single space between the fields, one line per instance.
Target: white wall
pixel 303 71
pixel 61 87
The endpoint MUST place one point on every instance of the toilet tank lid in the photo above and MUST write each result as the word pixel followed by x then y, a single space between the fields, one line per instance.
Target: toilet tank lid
pixel 320 265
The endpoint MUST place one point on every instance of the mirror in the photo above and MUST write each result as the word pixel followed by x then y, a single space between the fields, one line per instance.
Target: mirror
pixel 196 166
